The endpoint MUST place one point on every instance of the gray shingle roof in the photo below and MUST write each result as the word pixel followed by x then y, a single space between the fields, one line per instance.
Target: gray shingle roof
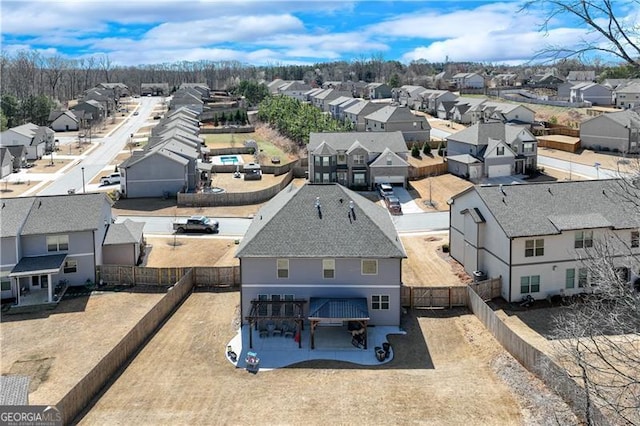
pixel 41 264
pixel 13 213
pixel 397 114
pixel 548 208
pixel 389 158
pixel 14 390
pixel 65 213
pixel 480 133
pixel 372 141
pixel 289 226
pixel 127 232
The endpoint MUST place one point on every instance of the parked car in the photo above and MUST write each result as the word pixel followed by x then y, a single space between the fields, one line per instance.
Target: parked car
pixel 112 179
pixel 393 204
pixel 136 113
pixel 196 224
pixel 384 189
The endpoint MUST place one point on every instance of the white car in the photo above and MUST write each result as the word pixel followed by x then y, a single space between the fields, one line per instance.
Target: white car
pixel 112 179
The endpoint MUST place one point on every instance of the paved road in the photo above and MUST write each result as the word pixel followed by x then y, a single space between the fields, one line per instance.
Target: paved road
pixel 100 157
pixel 237 227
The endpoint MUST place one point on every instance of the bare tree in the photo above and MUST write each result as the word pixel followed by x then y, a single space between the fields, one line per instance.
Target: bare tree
pixel 601 18
pixel 599 337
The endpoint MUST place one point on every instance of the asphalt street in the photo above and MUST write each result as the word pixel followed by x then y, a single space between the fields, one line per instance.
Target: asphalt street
pixel 100 157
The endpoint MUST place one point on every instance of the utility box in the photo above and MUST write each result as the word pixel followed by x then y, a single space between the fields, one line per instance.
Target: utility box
pixel 479 276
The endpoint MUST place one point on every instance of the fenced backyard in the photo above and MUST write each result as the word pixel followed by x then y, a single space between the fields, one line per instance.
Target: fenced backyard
pixel 447 296
pixel 202 276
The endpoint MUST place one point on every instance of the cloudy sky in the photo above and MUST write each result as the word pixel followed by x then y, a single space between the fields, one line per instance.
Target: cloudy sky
pixel 280 32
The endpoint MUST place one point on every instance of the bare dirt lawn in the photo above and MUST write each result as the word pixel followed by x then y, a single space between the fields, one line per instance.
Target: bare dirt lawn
pixel 181 251
pixel 15 189
pixel 439 189
pixel 57 348
pixel 427 266
pixel 444 372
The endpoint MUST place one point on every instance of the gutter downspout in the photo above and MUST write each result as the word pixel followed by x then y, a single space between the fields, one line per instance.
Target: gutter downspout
pixel 510 258
pixel 93 234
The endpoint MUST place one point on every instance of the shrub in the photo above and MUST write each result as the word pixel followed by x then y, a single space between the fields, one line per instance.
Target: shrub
pixel 441 149
pixel 426 149
pixel 415 152
pixel 445 248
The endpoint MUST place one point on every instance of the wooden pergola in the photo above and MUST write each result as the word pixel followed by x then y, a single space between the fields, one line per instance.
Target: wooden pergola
pixel 297 315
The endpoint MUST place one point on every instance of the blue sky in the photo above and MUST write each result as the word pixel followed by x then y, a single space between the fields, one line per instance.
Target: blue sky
pixel 280 32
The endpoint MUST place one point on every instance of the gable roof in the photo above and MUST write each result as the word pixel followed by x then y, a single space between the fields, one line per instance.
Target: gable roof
pixel 389 158
pixel 372 141
pixel 626 118
pixel 289 226
pixel 480 133
pixel 127 232
pixel 13 212
pixel 551 207
pixel 5 154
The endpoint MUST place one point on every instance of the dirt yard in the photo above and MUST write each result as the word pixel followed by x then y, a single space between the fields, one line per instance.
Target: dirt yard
pixel 427 266
pixel 438 189
pixel 587 157
pixel 447 370
pixel 15 189
pixel 57 348
pixel 182 251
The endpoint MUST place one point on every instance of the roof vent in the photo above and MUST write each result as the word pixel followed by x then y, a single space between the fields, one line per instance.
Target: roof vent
pixel 319 207
pixel 502 190
pixel 352 212
pixel 549 189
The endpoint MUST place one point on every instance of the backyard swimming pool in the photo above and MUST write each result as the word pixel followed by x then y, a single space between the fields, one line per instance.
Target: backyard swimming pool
pixel 227 160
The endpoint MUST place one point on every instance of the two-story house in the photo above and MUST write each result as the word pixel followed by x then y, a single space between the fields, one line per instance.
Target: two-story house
pixel 595 93
pixel 408 95
pixel 37 140
pixel 468 80
pixel 432 99
pixel 627 95
pixel 491 149
pixel 321 255
pixel 358 159
pixel 539 238
pixel 615 131
pixel 414 128
pixel 294 89
pixel 358 111
pixel 48 239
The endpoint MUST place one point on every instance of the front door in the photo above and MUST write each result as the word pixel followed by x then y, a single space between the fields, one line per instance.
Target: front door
pixel 39 281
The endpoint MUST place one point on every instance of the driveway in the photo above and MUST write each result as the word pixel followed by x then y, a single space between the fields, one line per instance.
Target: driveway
pixel 406 200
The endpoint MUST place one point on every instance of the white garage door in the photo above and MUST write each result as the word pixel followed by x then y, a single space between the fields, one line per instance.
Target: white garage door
pixel 388 179
pixel 501 170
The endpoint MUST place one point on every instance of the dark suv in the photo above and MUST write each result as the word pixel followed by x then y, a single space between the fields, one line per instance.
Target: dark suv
pixel 393 204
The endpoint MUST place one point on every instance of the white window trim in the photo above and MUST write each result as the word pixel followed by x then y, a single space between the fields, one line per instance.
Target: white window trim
pixel 278 268
pixel 328 265
pixel 380 302
pixel 67 265
pixel 56 239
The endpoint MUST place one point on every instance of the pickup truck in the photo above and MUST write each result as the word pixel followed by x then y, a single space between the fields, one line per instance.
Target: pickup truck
pixel 196 224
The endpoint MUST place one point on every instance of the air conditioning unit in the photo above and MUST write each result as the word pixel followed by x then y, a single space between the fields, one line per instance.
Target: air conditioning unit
pixel 479 276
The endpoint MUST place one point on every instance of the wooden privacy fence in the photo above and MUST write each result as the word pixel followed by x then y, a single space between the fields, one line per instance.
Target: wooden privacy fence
pixel 203 276
pixel 425 171
pixel 533 359
pixel 447 296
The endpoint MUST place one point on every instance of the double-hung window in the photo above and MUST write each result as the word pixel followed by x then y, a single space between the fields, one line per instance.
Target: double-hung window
pixel 283 268
pixel 57 243
pixel 328 268
pixel 534 248
pixel 530 284
pixel 635 239
pixel 70 266
pixel 500 150
pixel 369 267
pixel 583 277
pixel 584 239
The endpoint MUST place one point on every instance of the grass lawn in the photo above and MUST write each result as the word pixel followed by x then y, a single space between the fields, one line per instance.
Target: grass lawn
pixel 226 140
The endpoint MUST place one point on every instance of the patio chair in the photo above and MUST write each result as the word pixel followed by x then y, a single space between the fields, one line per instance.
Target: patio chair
pixel 262 330
pixel 277 330
pixel 288 330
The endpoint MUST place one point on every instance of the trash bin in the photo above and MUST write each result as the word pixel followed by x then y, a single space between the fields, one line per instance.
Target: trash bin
pixel 386 347
pixel 379 353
